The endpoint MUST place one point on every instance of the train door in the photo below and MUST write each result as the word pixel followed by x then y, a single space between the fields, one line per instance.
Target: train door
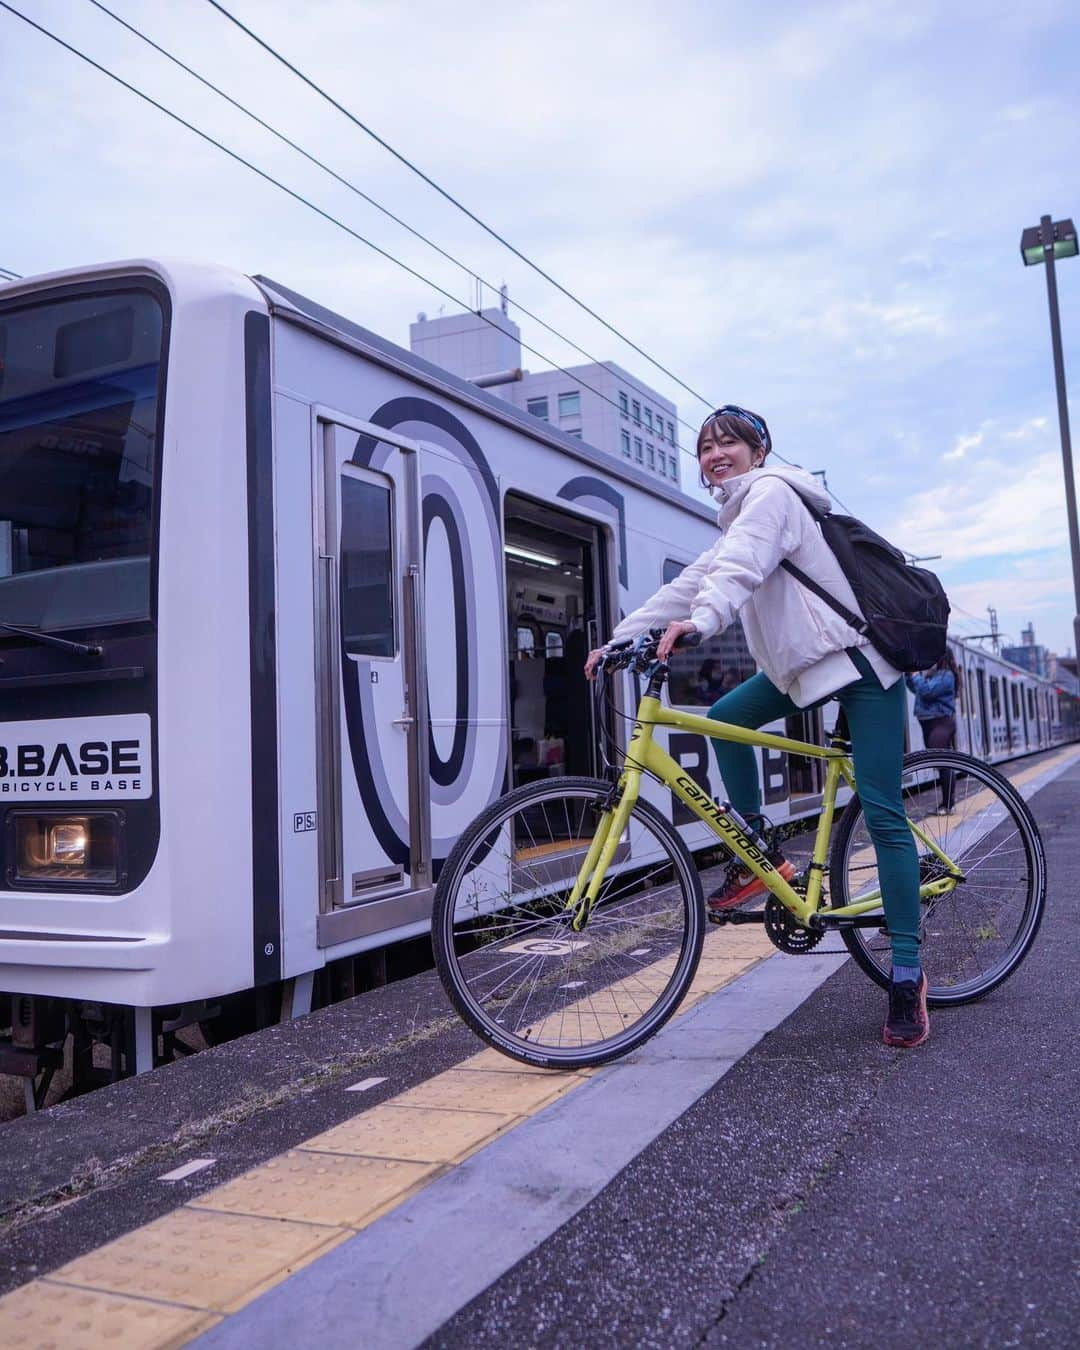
pixel 374 803
pixel 556 591
pixel 984 715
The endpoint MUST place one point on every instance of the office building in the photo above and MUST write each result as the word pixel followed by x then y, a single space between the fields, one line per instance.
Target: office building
pixel 600 403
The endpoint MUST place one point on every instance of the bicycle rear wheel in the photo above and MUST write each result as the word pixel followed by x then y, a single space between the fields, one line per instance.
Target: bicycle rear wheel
pixel 510 961
pixel 976 935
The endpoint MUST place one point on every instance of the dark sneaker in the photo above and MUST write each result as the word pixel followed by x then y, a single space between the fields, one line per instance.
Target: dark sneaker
pixel 908 1023
pixel 740 885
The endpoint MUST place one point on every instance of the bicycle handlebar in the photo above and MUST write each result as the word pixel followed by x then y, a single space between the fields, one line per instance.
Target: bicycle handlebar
pixel 640 653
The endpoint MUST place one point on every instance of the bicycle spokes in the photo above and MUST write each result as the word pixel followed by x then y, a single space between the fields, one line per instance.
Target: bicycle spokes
pixel 981 876
pixel 571 922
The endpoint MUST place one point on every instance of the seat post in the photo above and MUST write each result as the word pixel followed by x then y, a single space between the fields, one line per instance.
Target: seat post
pixel 840 739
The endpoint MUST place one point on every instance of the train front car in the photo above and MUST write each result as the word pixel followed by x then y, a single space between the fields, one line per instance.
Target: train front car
pixel 126 430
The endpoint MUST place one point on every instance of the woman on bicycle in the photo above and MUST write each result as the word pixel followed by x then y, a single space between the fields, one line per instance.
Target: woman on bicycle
pixel 806 654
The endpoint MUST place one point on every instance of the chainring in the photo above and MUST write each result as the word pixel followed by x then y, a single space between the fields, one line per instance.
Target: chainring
pixel 786 933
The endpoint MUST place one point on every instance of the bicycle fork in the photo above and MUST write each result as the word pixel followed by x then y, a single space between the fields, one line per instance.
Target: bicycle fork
pixel 605 841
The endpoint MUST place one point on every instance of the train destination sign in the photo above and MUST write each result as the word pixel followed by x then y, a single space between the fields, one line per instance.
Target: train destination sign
pixel 104 758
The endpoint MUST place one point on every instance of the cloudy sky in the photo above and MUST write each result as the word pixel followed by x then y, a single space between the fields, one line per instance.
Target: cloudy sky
pixel 811 208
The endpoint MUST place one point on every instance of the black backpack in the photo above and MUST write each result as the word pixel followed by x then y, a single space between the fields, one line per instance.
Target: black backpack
pixel 906 608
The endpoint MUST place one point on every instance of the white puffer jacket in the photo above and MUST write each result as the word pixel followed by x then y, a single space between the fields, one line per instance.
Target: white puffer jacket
pixel 795 638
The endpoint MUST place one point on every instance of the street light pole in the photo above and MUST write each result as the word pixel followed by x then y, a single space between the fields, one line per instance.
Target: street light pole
pixel 1060 240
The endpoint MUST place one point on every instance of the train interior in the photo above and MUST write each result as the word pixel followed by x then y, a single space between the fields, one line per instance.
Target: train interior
pixel 554 564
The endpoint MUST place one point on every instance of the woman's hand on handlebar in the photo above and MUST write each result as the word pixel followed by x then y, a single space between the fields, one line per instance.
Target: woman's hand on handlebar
pixel 592 661
pixel 673 632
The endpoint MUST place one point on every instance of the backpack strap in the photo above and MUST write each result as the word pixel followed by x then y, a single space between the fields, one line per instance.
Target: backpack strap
pixel 849 616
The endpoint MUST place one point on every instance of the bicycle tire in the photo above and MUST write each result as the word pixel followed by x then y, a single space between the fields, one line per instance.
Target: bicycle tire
pixel 450 907
pixel 923 770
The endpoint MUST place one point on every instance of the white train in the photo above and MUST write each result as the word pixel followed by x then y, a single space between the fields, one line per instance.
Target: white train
pixel 283 607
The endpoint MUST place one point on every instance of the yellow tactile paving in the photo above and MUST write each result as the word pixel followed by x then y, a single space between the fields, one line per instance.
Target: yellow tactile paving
pixel 581 1025
pixel 494 1061
pixel 196 1257
pixel 471 1090
pixel 319 1188
pixel 418 1133
pixel 738 940
pixel 47 1316
pixel 311 1197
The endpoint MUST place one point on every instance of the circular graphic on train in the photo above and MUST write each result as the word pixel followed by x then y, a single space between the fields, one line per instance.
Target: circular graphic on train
pixel 462 603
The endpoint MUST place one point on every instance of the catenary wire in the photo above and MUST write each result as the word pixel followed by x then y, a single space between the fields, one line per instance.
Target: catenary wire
pixel 8 275
pixel 299 197
pixel 471 272
pixel 352 187
pixel 340 224
pixel 318 89
pixel 453 200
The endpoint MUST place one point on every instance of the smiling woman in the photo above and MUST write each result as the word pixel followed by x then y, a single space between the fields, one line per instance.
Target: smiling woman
pixel 79 394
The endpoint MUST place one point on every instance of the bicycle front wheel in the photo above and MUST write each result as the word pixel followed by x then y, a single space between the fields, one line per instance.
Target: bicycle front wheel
pixel 506 950
pixel 974 936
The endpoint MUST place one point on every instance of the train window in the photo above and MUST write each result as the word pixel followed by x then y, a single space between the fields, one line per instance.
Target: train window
pixel 553 644
pixel 1015 700
pixel 700 676
pixel 367 595
pixel 94 342
pixel 1031 703
pixel 995 696
pixel 78 453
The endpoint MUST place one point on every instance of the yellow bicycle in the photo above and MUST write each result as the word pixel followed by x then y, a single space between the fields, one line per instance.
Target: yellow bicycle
pixel 569 919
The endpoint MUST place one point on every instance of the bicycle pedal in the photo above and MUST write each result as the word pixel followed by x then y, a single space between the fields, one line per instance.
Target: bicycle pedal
pixel 724 916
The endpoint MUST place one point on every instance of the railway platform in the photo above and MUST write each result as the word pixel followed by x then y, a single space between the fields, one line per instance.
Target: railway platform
pixel 763 1172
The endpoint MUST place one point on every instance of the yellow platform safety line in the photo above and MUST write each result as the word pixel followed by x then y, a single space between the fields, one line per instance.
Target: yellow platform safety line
pixel 162 1285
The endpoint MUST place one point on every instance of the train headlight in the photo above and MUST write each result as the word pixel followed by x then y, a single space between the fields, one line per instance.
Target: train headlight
pixel 67 843
pixel 49 849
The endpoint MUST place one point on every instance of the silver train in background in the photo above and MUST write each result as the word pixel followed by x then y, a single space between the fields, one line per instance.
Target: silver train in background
pixel 282 607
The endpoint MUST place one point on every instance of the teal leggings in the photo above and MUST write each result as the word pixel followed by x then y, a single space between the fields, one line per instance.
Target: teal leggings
pixel 876 720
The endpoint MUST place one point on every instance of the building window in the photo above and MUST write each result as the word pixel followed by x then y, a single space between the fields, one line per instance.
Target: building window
pixel 570 405
pixel 637 412
pixel 648 418
pixel 538 407
pixel 624 406
pixel 650 456
pixel 637 449
pixel 671 433
pixel 624 436
pixel 673 467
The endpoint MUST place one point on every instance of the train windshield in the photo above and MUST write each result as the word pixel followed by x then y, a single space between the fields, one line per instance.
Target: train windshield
pixel 79 389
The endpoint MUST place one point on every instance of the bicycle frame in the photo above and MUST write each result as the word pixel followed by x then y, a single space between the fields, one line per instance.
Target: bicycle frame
pixel 644 755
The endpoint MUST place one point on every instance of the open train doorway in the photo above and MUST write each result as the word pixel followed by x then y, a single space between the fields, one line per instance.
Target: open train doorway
pixel 556 590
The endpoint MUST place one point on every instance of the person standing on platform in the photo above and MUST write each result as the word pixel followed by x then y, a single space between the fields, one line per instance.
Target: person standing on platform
pixel 937 692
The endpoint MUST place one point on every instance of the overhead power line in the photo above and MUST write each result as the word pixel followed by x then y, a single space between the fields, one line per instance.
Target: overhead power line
pixel 326 215
pixel 313 159
pixel 8 275
pixel 296 196
pixel 318 89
